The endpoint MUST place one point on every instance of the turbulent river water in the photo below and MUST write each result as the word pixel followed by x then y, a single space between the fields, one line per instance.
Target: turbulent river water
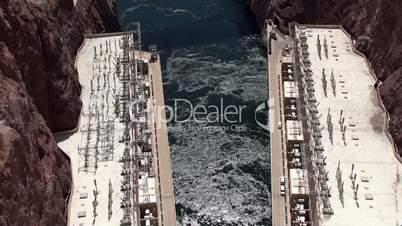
pixel 211 53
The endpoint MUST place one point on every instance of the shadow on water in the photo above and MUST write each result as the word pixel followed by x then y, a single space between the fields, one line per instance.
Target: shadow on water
pixel 200 23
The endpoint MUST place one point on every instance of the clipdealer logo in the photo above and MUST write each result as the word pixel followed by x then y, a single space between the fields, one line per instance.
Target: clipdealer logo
pixel 267 105
pixel 183 111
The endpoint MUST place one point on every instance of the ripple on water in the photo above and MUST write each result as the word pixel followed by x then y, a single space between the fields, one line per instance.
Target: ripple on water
pixel 239 72
pixel 221 177
pixel 209 51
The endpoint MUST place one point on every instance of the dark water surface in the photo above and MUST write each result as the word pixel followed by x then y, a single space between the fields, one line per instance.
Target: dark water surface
pixel 211 51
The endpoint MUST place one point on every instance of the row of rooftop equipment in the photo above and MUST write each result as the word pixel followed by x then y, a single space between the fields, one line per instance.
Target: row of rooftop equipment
pixel 139 201
pixel 132 106
pixel 313 123
pixel 98 132
pixel 299 197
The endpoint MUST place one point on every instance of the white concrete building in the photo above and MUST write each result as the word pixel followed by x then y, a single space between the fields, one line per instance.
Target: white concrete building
pixel 107 183
pixel 344 88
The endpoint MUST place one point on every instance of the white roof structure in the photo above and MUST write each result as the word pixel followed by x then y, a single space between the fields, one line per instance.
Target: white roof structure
pixel 294 130
pixel 354 100
pixel 290 89
pixel 98 79
pixel 287 59
pixel 298 182
pixel 146 190
pixel 82 197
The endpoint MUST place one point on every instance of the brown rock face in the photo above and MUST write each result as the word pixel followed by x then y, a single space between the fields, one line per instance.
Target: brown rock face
pixel 377 28
pixel 39 90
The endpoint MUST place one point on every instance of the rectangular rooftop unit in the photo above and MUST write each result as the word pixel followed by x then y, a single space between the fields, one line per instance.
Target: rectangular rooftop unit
pixel 298 182
pixel 294 130
pixel 83 195
pixel 81 214
pixel 147 190
pixel 290 89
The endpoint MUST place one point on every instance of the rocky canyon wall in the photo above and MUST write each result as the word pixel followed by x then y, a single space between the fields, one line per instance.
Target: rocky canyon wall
pixel 375 25
pixel 39 94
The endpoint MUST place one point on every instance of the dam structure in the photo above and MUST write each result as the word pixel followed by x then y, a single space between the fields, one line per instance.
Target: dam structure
pixel 333 161
pixel 119 152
